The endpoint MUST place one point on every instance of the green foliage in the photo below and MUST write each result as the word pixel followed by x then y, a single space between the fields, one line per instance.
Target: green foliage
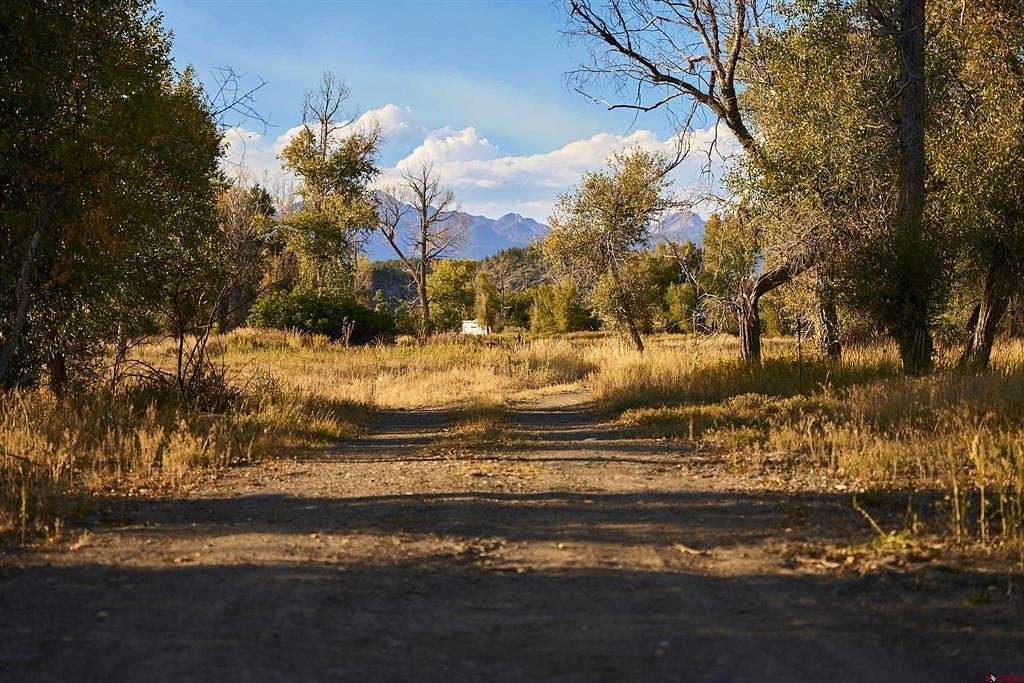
pixel 680 307
pixel 338 317
pixel 977 152
pixel 108 168
pixel 487 305
pixel 730 255
pixel 450 290
pixel 558 308
pixel 597 226
pixel 335 166
pixel 517 307
pixel 516 268
pixel 637 284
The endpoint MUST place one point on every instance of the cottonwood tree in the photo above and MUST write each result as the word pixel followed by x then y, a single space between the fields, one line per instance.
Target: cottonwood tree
pixel 910 248
pixel 683 57
pixel 822 184
pixel 977 159
pixel 334 162
pixel 597 228
pixel 246 218
pixel 420 220
pixel 486 305
pixel 105 147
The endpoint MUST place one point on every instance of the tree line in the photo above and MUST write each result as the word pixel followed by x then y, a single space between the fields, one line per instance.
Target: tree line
pixel 878 187
pixel 880 141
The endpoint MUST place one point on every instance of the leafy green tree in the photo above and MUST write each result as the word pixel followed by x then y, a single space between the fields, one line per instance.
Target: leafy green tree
pixel 681 307
pixel 693 61
pixel 558 308
pixel 450 288
pixel 598 226
pixel 339 317
pixel 487 305
pixel 107 180
pixel 646 297
pixel 542 310
pixel 335 164
pixel 246 217
pixel 977 157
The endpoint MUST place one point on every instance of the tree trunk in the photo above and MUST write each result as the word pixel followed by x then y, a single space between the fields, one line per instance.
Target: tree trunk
pixel 989 313
pixel 421 286
pixel 624 308
pixel 749 319
pixel 57 368
pixel 634 334
pixel 748 303
pixel 24 292
pixel 912 295
pixel 828 327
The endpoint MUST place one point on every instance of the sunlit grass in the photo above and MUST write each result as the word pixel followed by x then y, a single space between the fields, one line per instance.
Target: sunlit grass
pixel 958 433
pixel 954 432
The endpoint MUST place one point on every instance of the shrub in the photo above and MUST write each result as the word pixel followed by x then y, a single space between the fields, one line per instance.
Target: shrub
pixel 337 317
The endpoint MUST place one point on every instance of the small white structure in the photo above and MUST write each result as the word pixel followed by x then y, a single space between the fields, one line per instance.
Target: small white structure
pixel 473 327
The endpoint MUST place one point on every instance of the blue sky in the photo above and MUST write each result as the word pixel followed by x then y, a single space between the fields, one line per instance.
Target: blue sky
pixel 475 87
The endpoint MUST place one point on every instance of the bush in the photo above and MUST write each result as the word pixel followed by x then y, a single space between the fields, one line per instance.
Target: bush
pixel 337 317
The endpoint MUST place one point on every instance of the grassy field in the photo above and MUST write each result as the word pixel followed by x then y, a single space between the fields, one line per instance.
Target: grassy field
pixel 961 435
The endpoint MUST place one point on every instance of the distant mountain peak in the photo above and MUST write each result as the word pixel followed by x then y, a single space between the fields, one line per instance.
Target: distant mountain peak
pixel 487 236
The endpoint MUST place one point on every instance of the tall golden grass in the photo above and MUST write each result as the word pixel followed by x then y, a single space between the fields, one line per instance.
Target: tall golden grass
pixel 957 433
pixel 294 392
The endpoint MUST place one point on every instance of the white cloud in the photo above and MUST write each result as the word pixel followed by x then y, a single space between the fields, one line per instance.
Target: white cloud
pixel 447 146
pixel 484 180
pixel 282 140
pixel 529 184
pixel 398 125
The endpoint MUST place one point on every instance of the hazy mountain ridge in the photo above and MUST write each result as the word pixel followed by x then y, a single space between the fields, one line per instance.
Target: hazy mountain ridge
pixel 488 236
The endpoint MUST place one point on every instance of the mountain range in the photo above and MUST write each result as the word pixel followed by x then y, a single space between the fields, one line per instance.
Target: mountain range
pixel 488 236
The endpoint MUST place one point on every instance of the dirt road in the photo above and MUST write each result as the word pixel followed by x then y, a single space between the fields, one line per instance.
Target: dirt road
pixel 572 552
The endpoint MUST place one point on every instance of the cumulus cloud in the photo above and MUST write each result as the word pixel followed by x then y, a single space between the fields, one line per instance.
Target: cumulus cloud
pixel 398 126
pixel 529 184
pixel 485 180
pixel 448 146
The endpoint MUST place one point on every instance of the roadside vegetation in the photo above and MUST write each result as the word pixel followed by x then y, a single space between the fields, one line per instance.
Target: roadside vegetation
pixel 953 440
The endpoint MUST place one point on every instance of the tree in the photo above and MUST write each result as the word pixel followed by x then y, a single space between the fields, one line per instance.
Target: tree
pixel 557 308
pixel 487 304
pixel 915 255
pixel 420 221
pixel 729 259
pixel 450 287
pixel 977 158
pixel 681 302
pixel 597 227
pixel 664 54
pixel 335 164
pixel 246 216
pixel 107 152
pixel 639 279
pixel 823 97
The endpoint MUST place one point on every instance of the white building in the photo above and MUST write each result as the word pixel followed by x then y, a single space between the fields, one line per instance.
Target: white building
pixel 473 327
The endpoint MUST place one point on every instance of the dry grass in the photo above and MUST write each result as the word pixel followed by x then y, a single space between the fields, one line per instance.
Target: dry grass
pixel 57 453
pixel 296 392
pixel 450 371
pixel 961 434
